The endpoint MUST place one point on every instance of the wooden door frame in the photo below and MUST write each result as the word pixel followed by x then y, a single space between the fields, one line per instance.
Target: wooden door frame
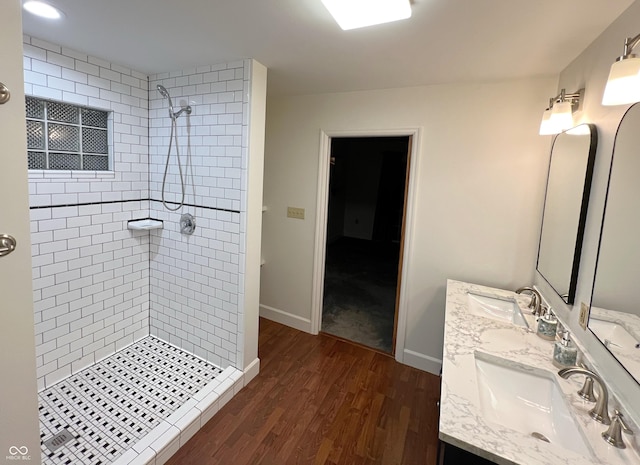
pixel 319 254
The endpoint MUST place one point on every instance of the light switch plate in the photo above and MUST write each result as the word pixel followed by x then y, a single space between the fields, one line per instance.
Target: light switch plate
pixel 297 213
pixel 584 315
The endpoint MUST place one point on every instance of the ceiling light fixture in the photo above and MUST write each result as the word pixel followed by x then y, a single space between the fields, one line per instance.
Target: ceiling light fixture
pixel 352 14
pixel 623 85
pixel 42 9
pixel 559 116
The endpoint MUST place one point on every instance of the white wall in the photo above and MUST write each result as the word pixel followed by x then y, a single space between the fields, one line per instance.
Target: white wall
pixel 252 229
pixel 590 70
pixel 479 186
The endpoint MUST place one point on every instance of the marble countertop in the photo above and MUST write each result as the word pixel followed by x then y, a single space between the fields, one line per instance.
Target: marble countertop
pixel 461 420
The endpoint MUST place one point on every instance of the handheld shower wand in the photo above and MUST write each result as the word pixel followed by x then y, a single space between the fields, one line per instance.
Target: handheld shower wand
pixel 174 134
pixel 165 93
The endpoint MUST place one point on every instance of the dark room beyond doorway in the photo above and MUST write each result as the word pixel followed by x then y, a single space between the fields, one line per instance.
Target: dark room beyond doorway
pixel 365 216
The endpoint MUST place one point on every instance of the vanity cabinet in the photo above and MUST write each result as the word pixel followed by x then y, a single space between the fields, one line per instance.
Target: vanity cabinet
pixel 452 455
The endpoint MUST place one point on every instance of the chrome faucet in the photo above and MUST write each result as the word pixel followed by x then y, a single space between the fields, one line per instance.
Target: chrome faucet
pixel 600 412
pixel 536 299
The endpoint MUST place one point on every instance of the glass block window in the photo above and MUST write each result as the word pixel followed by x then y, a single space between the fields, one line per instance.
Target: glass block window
pixel 61 136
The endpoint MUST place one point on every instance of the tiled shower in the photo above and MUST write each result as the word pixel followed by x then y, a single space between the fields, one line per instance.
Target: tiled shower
pixel 100 287
pixel 195 280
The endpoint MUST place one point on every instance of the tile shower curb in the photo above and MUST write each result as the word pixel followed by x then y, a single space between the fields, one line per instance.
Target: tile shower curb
pixel 157 447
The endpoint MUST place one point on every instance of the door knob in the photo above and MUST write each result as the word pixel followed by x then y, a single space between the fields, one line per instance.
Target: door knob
pixel 5 95
pixel 7 244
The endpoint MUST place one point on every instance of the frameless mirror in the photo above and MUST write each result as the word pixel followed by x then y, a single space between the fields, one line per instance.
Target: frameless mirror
pixel 565 208
pixel 615 306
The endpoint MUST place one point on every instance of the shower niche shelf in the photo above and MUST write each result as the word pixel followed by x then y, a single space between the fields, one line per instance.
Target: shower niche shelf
pixel 145 224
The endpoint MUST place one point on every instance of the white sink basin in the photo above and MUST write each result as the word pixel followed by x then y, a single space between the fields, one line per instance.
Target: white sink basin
pixel 496 308
pixel 612 334
pixel 527 400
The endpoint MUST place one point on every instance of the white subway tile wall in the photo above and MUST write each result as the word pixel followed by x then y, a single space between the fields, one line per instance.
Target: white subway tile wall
pixel 90 284
pixel 211 141
pixel 98 286
pixel 194 284
pixel 91 274
pixel 53 72
pixel 196 281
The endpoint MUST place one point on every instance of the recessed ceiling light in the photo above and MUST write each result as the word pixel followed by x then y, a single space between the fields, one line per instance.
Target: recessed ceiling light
pixel 42 9
pixel 352 14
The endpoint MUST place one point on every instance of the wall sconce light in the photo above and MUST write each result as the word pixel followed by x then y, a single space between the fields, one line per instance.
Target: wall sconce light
pixel 623 85
pixel 545 125
pixel 559 116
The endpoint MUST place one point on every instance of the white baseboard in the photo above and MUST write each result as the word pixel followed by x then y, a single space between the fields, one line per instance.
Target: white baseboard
pixel 251 371
pixel 285 318
pixel 422 362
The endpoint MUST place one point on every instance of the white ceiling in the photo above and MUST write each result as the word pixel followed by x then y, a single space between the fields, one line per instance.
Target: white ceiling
pixel 306 52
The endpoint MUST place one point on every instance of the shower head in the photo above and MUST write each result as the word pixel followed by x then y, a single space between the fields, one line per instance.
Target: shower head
pixel 173 114
pixel 165 93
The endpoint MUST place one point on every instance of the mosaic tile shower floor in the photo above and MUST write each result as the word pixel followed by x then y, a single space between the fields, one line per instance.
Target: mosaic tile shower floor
pixel 111 405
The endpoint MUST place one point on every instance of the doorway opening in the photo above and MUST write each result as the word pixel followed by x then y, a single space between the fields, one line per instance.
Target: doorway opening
pixel 364 239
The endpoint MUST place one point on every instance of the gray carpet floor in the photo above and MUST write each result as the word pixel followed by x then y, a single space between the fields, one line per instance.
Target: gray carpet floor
pixel 360 292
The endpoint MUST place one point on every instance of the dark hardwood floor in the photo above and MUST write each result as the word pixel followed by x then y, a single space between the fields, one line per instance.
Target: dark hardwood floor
pixel 320 400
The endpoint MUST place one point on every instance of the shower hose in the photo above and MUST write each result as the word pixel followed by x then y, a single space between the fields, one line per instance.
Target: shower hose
pixel 174 134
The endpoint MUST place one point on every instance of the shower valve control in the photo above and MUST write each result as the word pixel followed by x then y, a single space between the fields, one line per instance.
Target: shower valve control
pixel 187 224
